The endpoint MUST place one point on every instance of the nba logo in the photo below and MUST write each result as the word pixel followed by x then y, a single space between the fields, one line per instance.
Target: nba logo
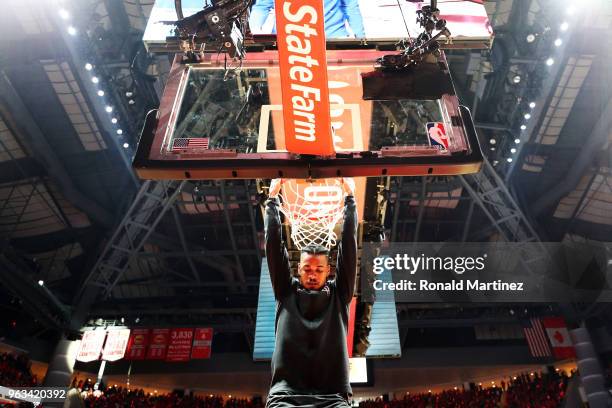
pixel 437 135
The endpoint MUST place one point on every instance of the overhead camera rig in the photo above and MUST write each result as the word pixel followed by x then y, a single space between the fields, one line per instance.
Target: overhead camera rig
pixel 425 48
pixel 419 70
pixel 220 26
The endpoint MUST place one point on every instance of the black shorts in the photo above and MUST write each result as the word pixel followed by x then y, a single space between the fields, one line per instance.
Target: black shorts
pixel 287 399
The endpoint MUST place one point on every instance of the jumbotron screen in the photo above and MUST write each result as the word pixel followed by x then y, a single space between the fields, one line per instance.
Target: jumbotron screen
pixel 375 20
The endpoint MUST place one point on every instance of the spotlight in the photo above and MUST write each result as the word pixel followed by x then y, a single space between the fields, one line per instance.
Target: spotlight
pixel 119 131
pixel 532 105
pixel 41 282
pixel 72 30
pixel 113 120
pixel 517 141
pixel 513 150
pixel 129 94
pixel 492 141
pixel 131 102
pixel 126 145
pixel 509 159
pixel 516 79
pixel 108 109
pixel 564 26
pixel 95 79
pixel 523 127
pixel 550 61
pixel 492 149
pixel 63 13
pixel 88 66
pixel 100 93
pixel 558 42
pixel 527 116
pixel 530 38
pixel 123 320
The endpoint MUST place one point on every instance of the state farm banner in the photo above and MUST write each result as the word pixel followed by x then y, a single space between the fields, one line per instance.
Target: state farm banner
pixel 179 348
pixel 137 344
pixel 202 343
pixel 158 346
pixel 91 345
pixel 116 343
pixel 303 70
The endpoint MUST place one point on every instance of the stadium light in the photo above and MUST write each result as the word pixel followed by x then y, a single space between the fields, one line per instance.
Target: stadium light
pixel 108 108
pixel 530 38
pixel 516 79
pixel 523 127
pixel 527 116
pixel 492 149
pixel 41 282
pixel 492 141
pixel 113 120
pixel 64 14
pixel 119 131
pixel 513 150
pixel 509 159
pixel 95 79
pixel 517 141
pixel 100 93
pixel 532 105
pixel 88 66
pixel 126 145
pixel 72 30
pixel 558 42
pixel 570 10
pixel 564 26
pixel 550 61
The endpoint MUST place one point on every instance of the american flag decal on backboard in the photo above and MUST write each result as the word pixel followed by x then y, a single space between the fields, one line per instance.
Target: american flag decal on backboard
pixel 187 143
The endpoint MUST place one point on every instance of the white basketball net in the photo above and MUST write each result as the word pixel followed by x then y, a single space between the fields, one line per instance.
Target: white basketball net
pixel 313 209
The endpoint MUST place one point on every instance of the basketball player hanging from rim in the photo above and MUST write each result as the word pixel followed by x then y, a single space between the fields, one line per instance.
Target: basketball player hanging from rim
pixel 310 360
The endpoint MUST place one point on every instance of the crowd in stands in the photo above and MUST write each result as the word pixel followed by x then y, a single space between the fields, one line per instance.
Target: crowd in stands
pixel 531 390
pixel 112 397
pixel 525 391
pixel 15 371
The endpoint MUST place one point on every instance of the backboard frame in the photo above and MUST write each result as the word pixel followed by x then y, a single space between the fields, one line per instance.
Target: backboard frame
pixel 152 162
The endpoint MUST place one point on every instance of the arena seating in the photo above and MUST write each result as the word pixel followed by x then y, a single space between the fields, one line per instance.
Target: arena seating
pixel 529 390
pixel 15 371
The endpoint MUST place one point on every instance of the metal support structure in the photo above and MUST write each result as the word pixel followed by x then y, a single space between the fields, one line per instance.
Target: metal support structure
pixel 152 202
pixel 230 228
pixel 181 234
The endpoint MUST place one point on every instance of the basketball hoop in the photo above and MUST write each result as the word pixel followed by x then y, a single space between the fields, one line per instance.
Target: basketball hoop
pixel 312 208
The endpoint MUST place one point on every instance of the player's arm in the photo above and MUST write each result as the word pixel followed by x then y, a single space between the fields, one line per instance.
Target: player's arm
pixel 353 14
pixel 346 264
pixel 276 252
pixel 259 14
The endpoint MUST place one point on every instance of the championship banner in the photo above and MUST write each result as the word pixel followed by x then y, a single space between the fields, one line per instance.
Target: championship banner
pixel 179 348
pixel 116 343
pixel 91 345
pixel 303 71
pixel 158 344
pixel 202 343
pixel 137 344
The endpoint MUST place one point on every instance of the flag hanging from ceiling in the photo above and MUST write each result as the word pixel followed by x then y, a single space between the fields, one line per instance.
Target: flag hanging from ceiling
pixel 536 338
pixel 559 337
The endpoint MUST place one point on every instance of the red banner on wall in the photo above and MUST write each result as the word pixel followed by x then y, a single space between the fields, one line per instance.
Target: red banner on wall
pixel 116 343
pixel 202 343
pixel 137 345
pixel 91 345
pixel 158 344
pixel 303 70
pixel 179 348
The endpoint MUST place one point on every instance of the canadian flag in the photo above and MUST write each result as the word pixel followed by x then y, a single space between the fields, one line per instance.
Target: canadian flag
pixel 559 337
